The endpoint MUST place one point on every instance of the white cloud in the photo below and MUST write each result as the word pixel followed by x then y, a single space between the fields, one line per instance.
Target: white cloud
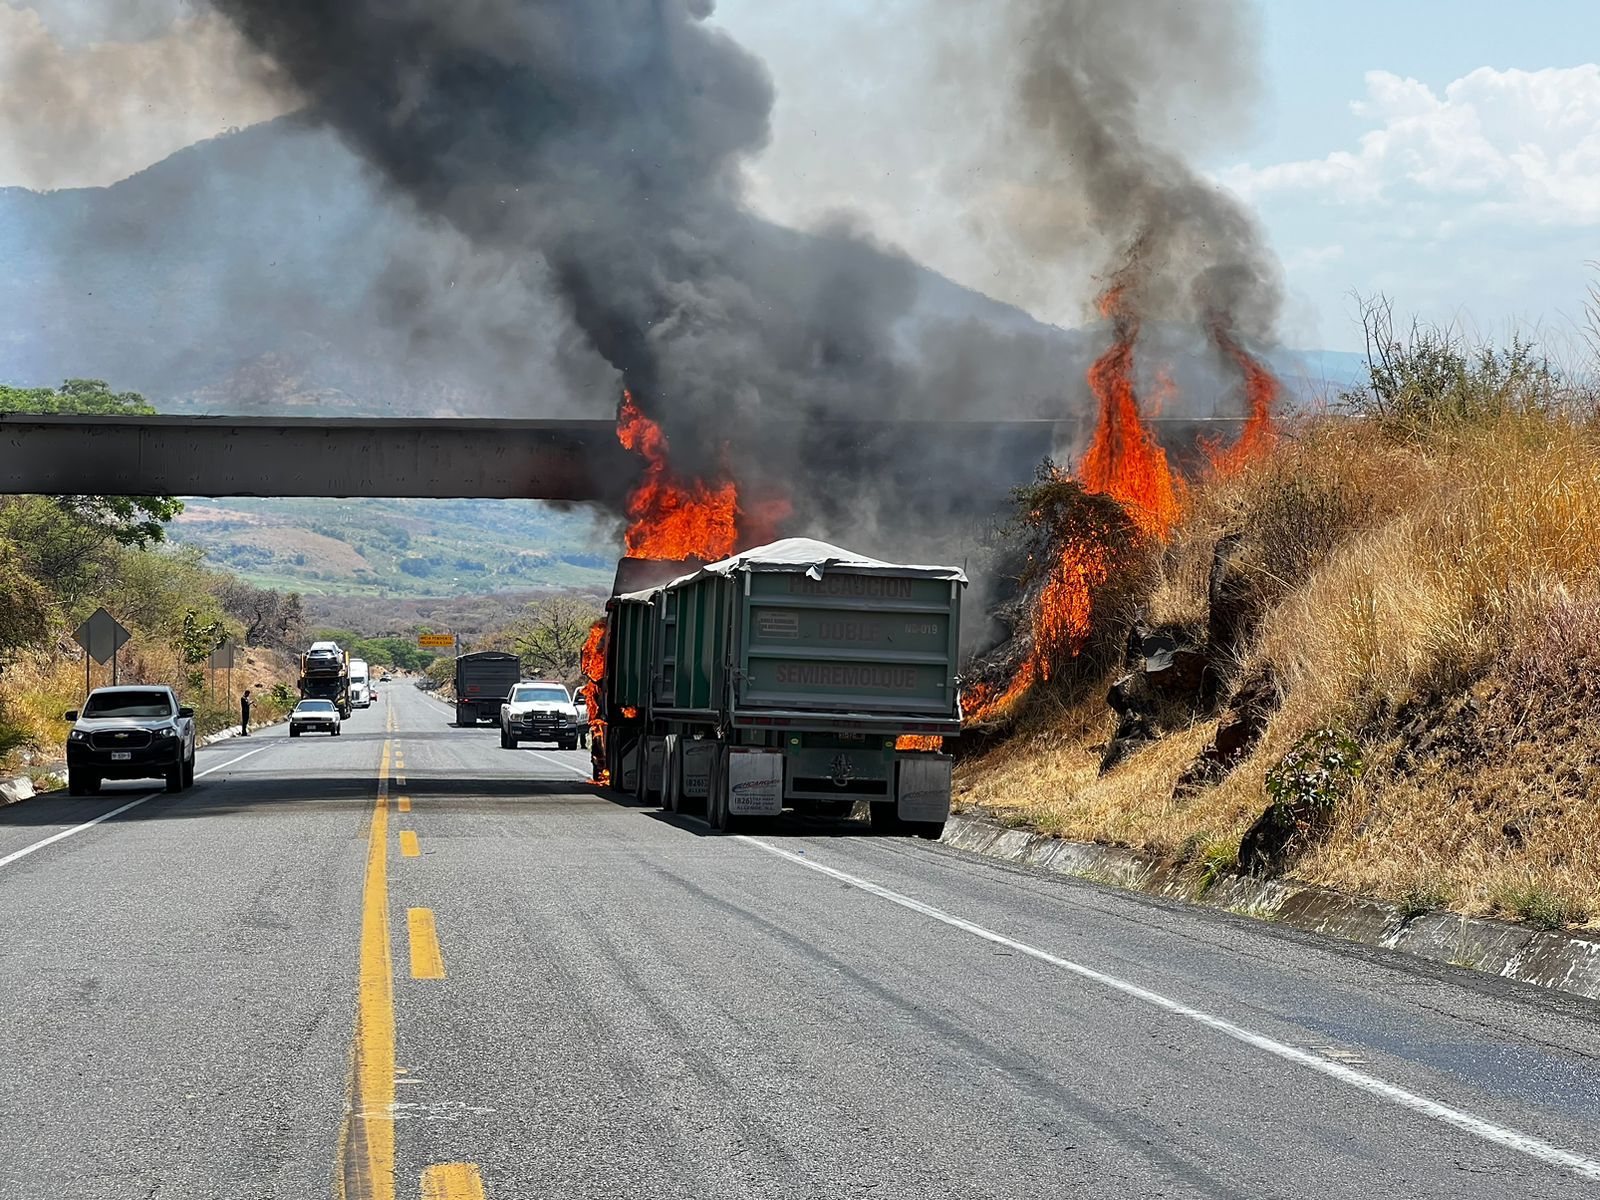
pixel 80 114
pixel 1513 143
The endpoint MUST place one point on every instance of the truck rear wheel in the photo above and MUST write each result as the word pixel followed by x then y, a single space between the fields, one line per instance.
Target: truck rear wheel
pixel 465 716
pixel 717 812
pixel 672 786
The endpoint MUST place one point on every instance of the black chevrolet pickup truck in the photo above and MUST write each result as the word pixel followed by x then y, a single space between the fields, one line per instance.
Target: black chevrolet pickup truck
pixel 138 732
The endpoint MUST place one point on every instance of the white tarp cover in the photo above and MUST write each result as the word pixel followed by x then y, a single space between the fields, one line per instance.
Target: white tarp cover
pixel 806 555
pixel 814 558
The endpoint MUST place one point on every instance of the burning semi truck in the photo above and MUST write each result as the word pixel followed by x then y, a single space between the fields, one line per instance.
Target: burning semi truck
pixel 795 674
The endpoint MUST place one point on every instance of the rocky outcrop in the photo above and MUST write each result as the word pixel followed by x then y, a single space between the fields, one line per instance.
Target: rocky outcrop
pixel 1243 722
pixel 1164 674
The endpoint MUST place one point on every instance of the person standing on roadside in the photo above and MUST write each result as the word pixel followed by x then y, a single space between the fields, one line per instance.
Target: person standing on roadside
pixel 244 714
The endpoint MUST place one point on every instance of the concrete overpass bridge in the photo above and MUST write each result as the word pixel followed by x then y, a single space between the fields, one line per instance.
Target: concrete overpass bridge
pixel 571 460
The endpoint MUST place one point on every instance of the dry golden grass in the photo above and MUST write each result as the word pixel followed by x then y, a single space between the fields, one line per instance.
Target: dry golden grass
pixel 1393 576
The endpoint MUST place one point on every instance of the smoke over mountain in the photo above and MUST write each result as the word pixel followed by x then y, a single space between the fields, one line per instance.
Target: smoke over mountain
pixel 592 152
pixel 597 147
pixel 1109 105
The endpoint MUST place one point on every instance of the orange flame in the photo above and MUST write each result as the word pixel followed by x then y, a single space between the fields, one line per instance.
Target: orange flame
pixel 1124 461
pixel 1061 626
pixel 593 660
pixel 1261 390
pixel 919 741
pixel 670 517
pixel 982 701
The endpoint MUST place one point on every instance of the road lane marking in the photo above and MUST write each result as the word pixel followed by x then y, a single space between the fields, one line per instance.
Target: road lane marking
pixel 408 843
pixel 1511 1139
pixel 452 1181
pixel 365 1170
pixel 584 771
pixel 404 803
pixel 66 833
pixel 426 961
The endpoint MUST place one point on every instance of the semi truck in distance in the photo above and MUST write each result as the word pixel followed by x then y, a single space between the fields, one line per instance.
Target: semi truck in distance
pixel 360 684
pixel 325 675
pixel 790 675
pixel 483 683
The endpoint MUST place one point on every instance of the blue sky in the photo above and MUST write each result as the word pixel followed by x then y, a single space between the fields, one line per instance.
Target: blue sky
pixel 1454 253
pixel 1470 208
pixel 1445 153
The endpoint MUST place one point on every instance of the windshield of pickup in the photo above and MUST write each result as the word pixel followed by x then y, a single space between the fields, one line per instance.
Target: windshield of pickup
pixel 128 704
pixel 542 695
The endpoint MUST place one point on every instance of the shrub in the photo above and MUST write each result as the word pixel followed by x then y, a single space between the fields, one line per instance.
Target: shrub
pixel 1314 775
pixel 1432 378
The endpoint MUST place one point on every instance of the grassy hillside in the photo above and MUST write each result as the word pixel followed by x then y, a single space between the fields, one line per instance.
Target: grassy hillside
pixel 1414 594
pixel 401 548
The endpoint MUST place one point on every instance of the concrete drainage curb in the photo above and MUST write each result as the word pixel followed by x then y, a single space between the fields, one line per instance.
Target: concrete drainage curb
pixel 1554 960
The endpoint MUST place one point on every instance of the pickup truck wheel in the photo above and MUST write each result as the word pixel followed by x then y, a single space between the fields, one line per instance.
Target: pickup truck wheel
pixel 175 778
pixel 188 773
pixel 294 731
pixel 77 785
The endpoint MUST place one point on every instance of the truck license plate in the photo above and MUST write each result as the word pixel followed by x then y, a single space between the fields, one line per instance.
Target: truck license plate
pixel 121 756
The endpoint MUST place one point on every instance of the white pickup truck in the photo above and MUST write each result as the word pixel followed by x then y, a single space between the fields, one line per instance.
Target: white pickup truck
pixel 138 732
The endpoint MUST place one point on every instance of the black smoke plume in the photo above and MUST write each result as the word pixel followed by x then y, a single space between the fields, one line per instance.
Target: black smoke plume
pixel 605 141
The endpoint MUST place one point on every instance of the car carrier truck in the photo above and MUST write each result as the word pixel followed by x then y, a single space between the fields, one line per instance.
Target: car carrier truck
pixel 784 677
pixel 325 675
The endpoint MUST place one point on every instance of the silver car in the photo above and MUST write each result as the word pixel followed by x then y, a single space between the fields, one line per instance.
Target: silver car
pixel 314 716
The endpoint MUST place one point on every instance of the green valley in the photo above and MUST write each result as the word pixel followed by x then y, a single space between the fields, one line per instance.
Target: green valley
pixel 402 548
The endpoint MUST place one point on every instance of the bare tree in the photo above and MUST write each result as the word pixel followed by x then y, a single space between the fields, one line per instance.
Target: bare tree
pixel 272 619
pixel 549 635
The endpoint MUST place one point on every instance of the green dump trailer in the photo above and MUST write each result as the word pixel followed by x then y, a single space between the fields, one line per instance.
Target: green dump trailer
pixel 783 677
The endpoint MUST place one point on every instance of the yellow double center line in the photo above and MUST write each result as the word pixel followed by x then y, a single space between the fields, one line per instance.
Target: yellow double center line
pixel 365 1169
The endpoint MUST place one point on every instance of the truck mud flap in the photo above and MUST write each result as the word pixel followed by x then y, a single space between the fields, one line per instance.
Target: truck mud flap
pixel 697 759
pixel 922 787
pixel 755 783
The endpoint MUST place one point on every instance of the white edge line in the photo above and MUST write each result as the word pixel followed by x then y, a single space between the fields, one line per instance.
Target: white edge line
pixel 106 816
pixel 1512 1139
pixel 557 762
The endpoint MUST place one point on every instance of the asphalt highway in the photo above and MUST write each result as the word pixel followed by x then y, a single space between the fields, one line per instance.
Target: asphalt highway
pixel 406 962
